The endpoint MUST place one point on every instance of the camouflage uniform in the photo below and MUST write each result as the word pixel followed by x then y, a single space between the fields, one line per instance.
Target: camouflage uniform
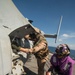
pixel 41 54
pixel 40 49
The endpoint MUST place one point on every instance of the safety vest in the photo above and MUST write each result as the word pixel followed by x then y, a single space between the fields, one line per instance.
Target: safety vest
pixel 64 65
pixel 43 52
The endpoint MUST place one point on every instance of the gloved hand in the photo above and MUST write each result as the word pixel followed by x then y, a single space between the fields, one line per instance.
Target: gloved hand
pixel 15 47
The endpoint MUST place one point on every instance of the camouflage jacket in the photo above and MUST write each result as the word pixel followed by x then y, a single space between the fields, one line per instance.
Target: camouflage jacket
pixel 43 49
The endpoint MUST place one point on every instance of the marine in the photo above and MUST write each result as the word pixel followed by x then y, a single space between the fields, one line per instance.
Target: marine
pixel 61 62
pixel 39 49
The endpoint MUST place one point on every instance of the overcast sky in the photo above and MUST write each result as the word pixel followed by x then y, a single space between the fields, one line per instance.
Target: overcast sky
pixel 46 16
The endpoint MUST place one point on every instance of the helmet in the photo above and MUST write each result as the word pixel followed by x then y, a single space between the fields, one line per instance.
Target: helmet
pixel 62 50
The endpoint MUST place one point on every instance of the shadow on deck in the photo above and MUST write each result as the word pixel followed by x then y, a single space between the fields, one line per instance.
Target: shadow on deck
pixel 31 66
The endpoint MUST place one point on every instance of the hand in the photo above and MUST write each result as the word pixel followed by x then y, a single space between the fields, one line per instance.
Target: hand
pixel 48 73
pixel 30 50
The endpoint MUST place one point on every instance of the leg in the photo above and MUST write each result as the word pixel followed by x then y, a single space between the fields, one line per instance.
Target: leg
pixel 41 64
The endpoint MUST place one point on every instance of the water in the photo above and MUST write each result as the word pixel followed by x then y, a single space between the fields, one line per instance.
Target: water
pixel 72 52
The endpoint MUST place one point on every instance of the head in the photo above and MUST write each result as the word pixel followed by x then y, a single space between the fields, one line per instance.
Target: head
pixel 32 36
pixel 62 50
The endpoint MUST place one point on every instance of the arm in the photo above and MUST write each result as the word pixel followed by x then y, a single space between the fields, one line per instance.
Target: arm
pixel 40 46
pixel 26 50
pixel 49 71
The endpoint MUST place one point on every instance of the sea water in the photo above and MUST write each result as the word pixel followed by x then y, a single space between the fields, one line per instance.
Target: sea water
pixel 72 52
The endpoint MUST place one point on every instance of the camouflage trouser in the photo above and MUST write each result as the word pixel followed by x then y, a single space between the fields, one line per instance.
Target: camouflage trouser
pixel 41 64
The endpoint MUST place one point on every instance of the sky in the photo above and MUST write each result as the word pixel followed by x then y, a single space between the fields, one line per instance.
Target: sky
pixel 46 16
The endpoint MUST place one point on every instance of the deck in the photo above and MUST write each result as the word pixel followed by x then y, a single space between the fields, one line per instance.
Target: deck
pixel 31 66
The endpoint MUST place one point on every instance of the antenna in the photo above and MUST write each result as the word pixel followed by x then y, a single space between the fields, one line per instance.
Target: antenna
pixel 58 30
